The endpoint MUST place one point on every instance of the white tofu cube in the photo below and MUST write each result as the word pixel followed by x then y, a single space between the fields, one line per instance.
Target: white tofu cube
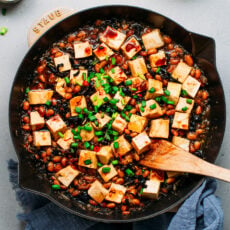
pixel 117 74
pixel 102 120
pixel 174 89
pixel 97 191
pixel 157 59
pixel 62 63
pixel 36 120
pixel 39 96
pixel 116 193
pixel 181 121
pixel 87 159
pixel 191 85
pixel 103 51
pixel 78 101
pixel 123 101
pixel 131 47
pixel 41 138
pixel 153 39
pixel 159 128
pixel 123 146
pixel 66 141
pixel 181 72
pixel 119 124
pixel 82 49
pixel 150 112
pixel 113 38
pixel 67 175
pixel 156 86
pixel 181 142
pixel 76 76
pixel 184 106
pixel 98 97
pixel 55 125
pixel 105 154
pixel 107 176
pixel 152 190
pixel 141 142
pixel 137 123
pixel 87 135
pixel 138 67
pixel 60 87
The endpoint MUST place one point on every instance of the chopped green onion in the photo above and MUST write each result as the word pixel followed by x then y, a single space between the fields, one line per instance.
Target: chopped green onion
pixel 99 133
pixel 135 96
pixel 189 101
pixel 99 103
pixel 87 162
pixel 106 169
pixel 141 191
pixel 141 76
pixel 74 132
pixel 113 61
pixel 113 70
pixel 153 106
pixel 107 137
pixel 67 80
pixel 97 84
pixel 113 132
pixel 133 89
pixel 48 102
pixel 106 58
pixel 102 70
pixel 129 172
pixel 102 114
pixel 80 116
pixel 60 134
pixel 91 75
pixel 115 138
pixel 158 99
pixel 3 30
pixel 184 92
pixel 85 110
pixel 184 108
pixel 87 127
pixel 100 139
pixel 113 101
pixel 91 147
pixel 99 164
pixel 152 90
pixel 74 145
pixel 27 90
pixel 167 92
pixel 105 99
pixel 129 82
pixel 170 102
pixel 164 99
pixel 87 144
pixel 128 107
pixel 56 186
pixel 95 62
pixel 158 70
pixel 114 115
pixel 116 145
pixel 77 137
pixel 77 109
pixel 115 88
pixel 92 118
pixel 115 162
pixel 143 103
pixel 142 109
pixel 123 101
pixel 134 57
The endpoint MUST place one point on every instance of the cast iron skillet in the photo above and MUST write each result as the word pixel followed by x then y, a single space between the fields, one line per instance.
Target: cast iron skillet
pixel 201 47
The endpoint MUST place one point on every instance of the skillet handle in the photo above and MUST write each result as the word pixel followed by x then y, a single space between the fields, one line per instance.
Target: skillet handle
pixel 47 20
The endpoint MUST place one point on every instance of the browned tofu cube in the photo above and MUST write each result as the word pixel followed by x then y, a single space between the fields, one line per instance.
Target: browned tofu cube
pixel 66 141
pixel 131 47
pixel 87 135
pixel 141 142
pixel 155 89
pixel 78 101
pixel 153 39
pixel 36 120
pixel 184 106
pixel 159 128
pixel 181 121
pixel 157 59
pixel 138 67
pixel 116 193
pixel 137 123
pixel 150 112
pixel 98 97
pixel 97 191
pixel 119 124
pixel 102 120
pixel 60 87
pixel 39 96
pixel 174 89
pixel 181 142
pixel 181 72
pixel 82 49
pixel 117 74
pixel 87 159
pixel 105 154
pixel 123 146
pixel 55 125
pixel 76 76
pixel 103 51
pixel 62 63
pixel 107 176
pixel 113 38
pixel 67 175
pixel 191 85
pixel 122 101
pixel 41 138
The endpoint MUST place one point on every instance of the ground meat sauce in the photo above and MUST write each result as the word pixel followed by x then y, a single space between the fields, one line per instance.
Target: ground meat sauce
pixel 54 129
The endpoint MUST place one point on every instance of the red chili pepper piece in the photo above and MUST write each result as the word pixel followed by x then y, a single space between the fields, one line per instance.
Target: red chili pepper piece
pixel 85 83
pixel 96 148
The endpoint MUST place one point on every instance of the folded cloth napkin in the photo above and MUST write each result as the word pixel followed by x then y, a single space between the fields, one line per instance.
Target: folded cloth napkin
pixel 201 211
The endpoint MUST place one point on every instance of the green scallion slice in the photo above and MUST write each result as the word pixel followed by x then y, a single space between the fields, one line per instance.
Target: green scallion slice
pixel 74 145
pixel 189 101
pixel 99 133
pixel 56 186
pixel 142 109
pixel 129 82
pixel 87 144
pixel 3 30
pixel 87 162
pixel 113 61
pixel 143 103
pixel 153 106
pixel 113 70
pixel 67 80
pixel 115 162
pixel 167 92
pixel 158 70
pixel 99 164
pixel 129 172
pixel 184 108
pixel 116 145
pixel 48 102
pixel 106 169
pixel 77 109
pixel 152 90
pixel 60 134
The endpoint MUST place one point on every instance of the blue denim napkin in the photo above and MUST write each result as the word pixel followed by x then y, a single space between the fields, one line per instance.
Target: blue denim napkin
pixel 201 211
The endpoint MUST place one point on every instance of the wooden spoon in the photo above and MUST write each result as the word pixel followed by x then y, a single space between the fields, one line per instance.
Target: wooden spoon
pixel 168 157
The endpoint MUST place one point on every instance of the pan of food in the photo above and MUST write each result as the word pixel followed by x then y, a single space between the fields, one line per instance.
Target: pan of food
pixel 91 97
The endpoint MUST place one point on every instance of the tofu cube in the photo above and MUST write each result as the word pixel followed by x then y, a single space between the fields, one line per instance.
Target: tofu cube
pixel 105 154
pixel 157 86
pixel 98 97
pixel 60 87
pixel 55 125
pixel 157 175
pixel 97 191
pixel 67 175
pixel 103 51
pixel 123 146
pixel 102 120
pixel 82 49
pixel 113 38
pixel 39 96
pixel 174 89
pixel 137 123
pixel 157 59
pixel 123 101
pixel 66 141
pixel 87 135
pixel 116 193
pixel 183 106
pixel 191 85
pixel 141 142
pixel 78 101
pixel 152 190
pixel 181 72
pixel 181 142
pixel 181 121
pixel 62 63
pixel 151 113
pixel 36 120
pixel 107 176
pixel 138 67
pixel 117 74
pixel 76 76
pixel 41 138
pixel 87 159
pixel 159 128
pixel 119 124
pixel 131 47
pixel 153 39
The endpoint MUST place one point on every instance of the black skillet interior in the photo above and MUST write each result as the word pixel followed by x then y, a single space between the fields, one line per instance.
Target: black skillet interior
pixel 202 48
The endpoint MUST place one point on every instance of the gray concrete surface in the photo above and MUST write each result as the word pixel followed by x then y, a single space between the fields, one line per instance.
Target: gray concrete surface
pixel 209 17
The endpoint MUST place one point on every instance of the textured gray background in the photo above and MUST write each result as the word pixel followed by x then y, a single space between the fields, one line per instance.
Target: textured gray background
pixel 208 17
